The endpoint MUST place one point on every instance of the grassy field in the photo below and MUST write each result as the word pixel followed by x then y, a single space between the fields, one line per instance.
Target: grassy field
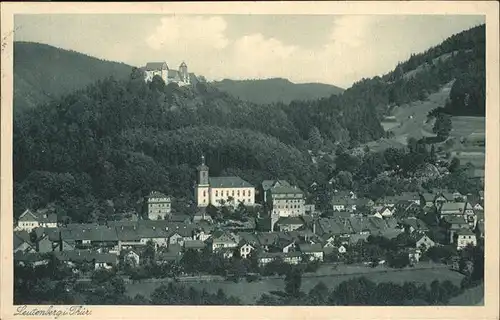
pixel 411 121
pixel 250 292
pixel 465 126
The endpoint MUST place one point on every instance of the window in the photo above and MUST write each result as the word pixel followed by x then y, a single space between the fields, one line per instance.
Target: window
pixel 238 193
pixel 243 192
pixel 204 193
pixel 216 193
pixel 232 193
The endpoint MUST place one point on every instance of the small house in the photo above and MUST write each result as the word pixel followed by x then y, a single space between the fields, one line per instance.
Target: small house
pixel 464 238
pixel 424 242
pixel 314 251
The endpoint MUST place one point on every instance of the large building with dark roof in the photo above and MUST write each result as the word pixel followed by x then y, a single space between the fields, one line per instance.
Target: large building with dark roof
pixel 287 200
pixel 161 69
pixel 220 191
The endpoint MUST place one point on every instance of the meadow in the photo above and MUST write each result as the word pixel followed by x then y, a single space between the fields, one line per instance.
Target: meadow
pixel 250 292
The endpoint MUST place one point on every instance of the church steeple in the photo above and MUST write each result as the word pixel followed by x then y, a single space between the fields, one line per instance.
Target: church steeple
pixel 183 71
pixel 202 172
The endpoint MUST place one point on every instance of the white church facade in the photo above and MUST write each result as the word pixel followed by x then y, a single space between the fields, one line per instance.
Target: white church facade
pixel 219 191
pixel 181 76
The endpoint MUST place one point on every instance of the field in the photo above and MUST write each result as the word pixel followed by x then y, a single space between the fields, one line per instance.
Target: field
pixel 465 126
pixel 250 292
pixel 411 121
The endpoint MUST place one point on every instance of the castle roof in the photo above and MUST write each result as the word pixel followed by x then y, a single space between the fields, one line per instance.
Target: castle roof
pixel 151 66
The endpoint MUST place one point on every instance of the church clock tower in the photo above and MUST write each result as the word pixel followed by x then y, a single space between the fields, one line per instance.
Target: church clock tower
pixel 202 193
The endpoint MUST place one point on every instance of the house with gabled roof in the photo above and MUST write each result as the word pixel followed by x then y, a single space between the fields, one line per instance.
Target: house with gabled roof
pixel 29 220
pixel 30 258
pixel 427 199
pixel 452 208
pixel 410 196
pixel 96 259
pixel 385 212
pixel 453 224
pixel 196 245
pixel 22 242
pixel 424 242
pixel 444 197
pixel 267 239
pixel 364 202
pixel 90 236
pixel 202 215
pixel 246 249
pixel 178 233
pixel 314 251
pixel 413 224
pixel 289 223
pixel 222 239
pixel 388 201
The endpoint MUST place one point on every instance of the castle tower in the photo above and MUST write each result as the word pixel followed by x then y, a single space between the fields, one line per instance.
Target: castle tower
pixel 202 188
pixel 183 71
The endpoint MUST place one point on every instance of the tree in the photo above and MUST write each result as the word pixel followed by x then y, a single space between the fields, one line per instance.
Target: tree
pixel 442 126
pixel 293 282
pixel 157 83
pixel 149 253
pixel 315 140
pixel 318 295
pixel 454 164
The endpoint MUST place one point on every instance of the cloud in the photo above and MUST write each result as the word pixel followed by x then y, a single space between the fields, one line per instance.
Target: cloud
pixel 345 48
pixel 342 60
pixel 189 32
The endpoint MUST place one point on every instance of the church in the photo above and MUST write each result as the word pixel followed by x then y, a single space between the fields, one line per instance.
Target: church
pixel 181 76
pixel 219 191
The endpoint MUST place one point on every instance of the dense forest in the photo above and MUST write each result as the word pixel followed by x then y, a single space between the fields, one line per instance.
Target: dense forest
pixel 118 139
pixel 125 138
pixel 267 91
pixel 43 72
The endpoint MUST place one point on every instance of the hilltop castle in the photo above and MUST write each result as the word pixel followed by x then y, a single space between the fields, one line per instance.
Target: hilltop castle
pixel 181 76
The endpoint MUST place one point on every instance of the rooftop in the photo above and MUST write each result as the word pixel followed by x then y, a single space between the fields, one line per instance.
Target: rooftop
pixel 228 182
pixel 153 66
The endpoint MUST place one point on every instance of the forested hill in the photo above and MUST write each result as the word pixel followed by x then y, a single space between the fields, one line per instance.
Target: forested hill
pixel 266 91
pixel 43 72
pixel 119 139
pixel 122 139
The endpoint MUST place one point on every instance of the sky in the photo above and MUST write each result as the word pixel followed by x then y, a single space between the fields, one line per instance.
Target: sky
pixel 333 49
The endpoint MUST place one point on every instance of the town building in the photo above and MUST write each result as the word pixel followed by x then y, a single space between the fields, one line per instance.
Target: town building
pixel 29 220
pixel 464 238
pixel 161 69
pixel 219 191
pixel 424 242
pixel 158 206
pixel 283 199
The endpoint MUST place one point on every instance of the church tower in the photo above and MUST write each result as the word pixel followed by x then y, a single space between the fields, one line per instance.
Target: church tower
pixel 183 71
pixel 202 193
